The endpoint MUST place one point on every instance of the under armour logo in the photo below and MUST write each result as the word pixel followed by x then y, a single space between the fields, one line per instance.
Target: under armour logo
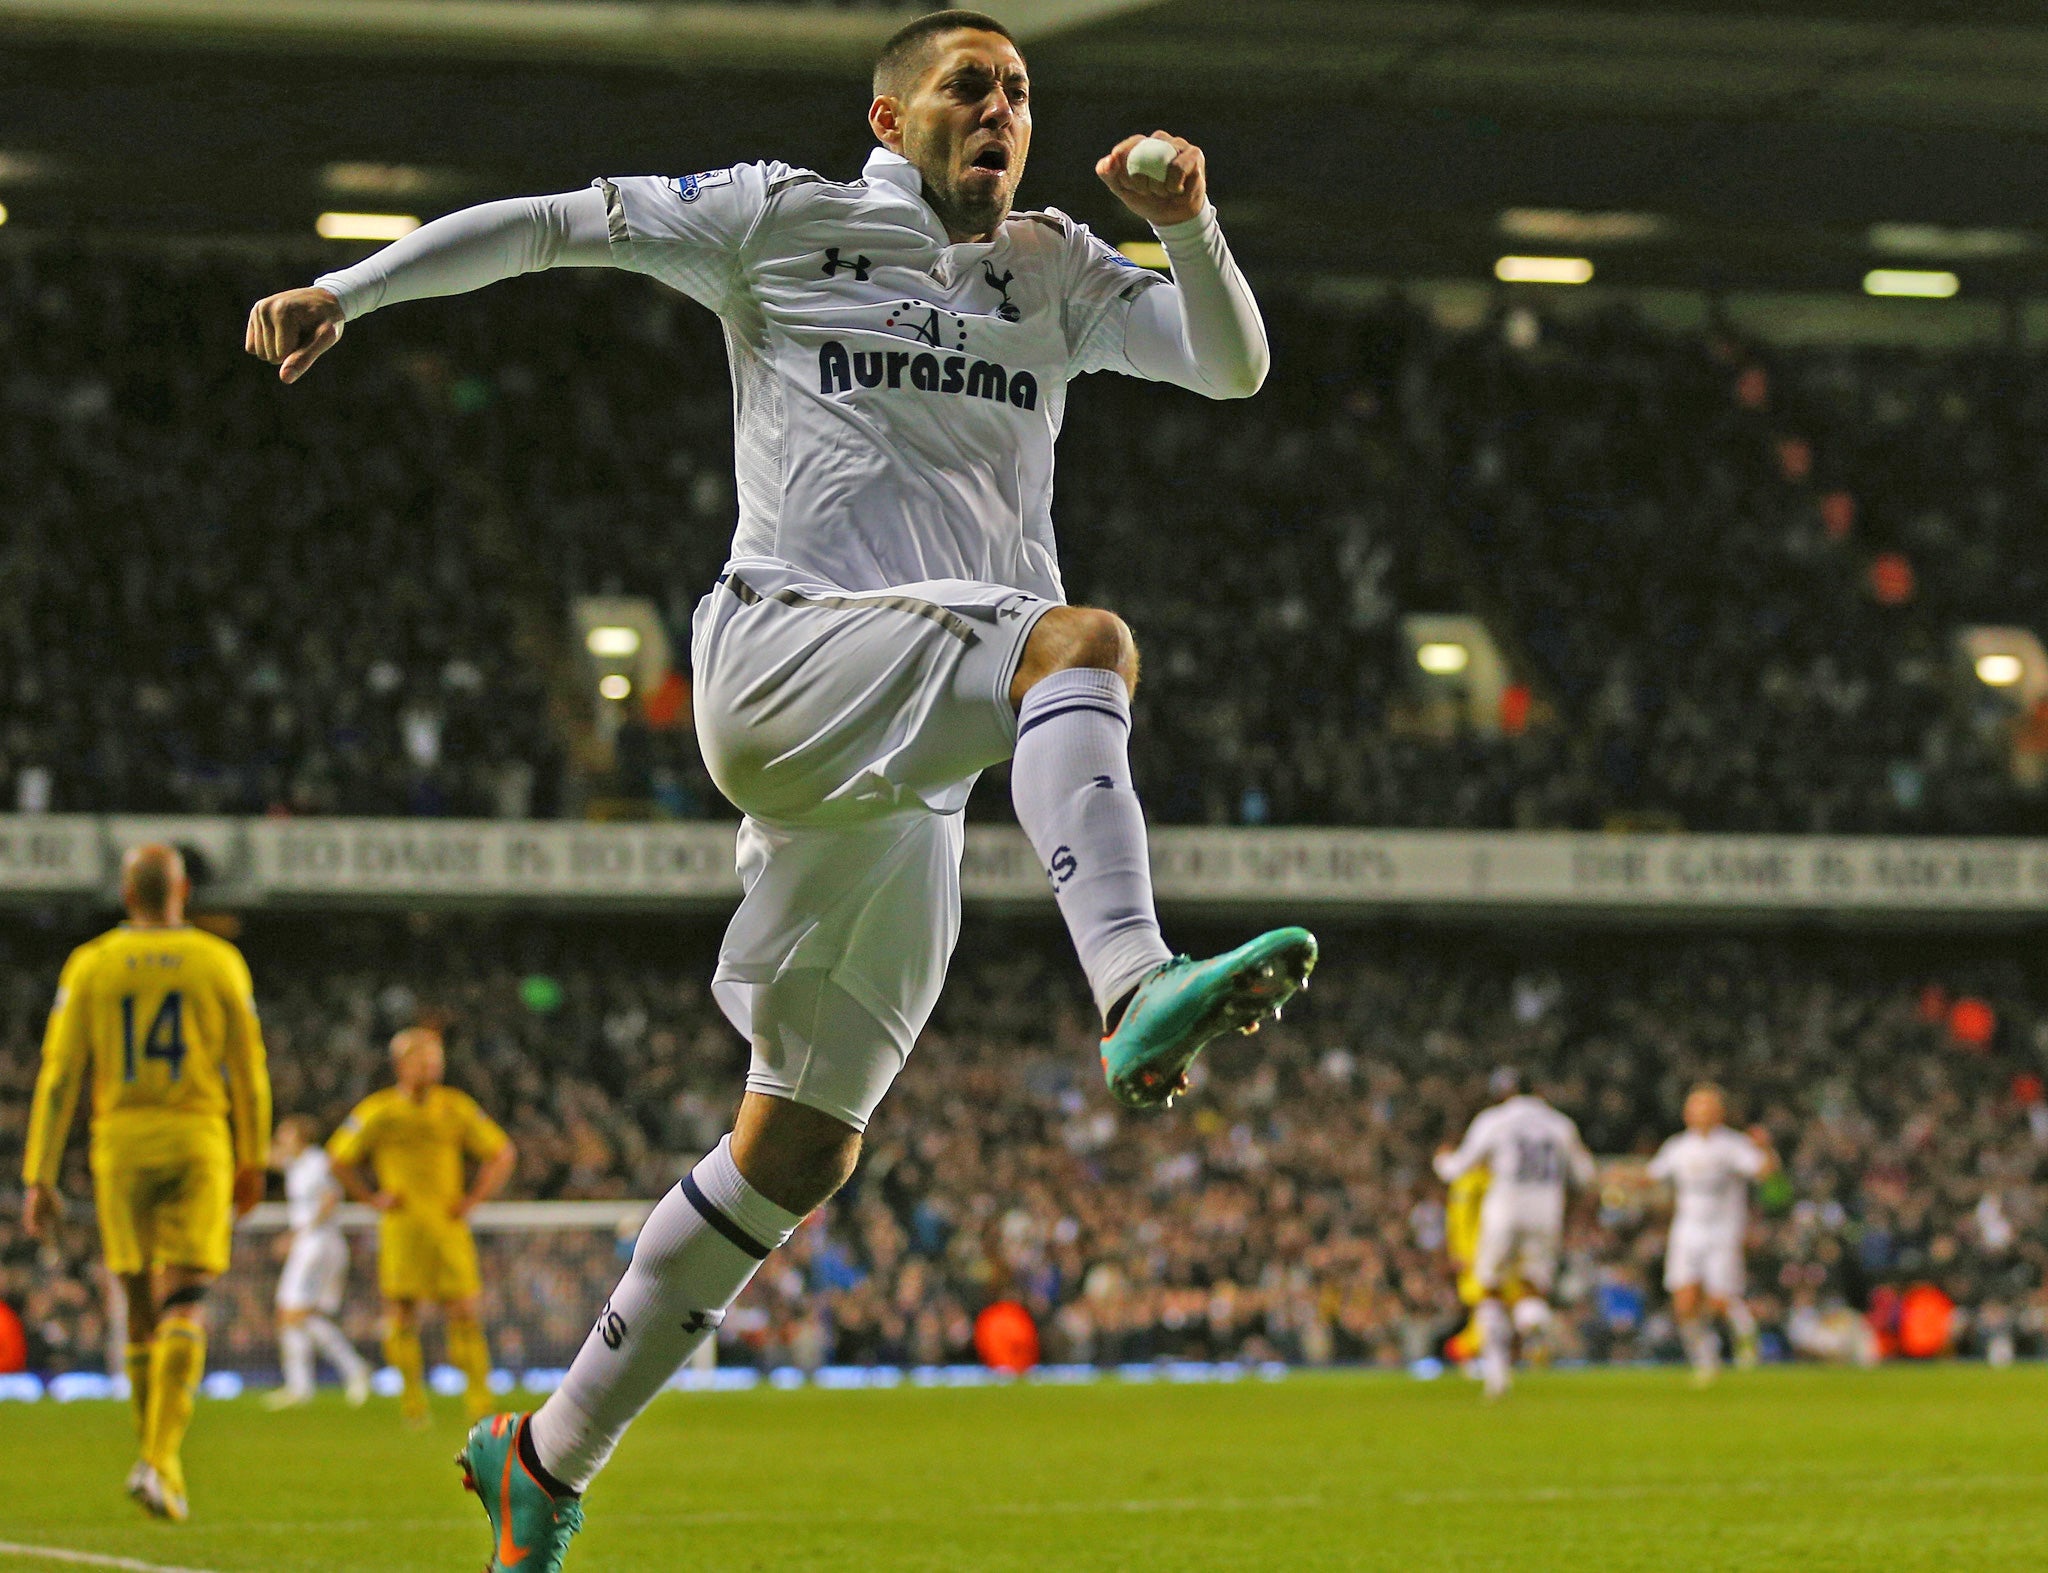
pixel 859 265
pixel 1008 310
pixel 1064 867
pixel 1012 608
pixel 1105 784
pixel 697 1322
pixel 611 1327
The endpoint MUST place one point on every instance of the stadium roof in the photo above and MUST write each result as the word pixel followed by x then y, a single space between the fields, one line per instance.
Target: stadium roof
pixel 1763 138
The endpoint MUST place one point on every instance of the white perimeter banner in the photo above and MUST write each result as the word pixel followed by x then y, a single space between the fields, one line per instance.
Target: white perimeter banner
pixel 395 861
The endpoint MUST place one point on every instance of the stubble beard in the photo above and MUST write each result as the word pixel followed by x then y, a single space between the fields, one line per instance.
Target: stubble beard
pixel 964 213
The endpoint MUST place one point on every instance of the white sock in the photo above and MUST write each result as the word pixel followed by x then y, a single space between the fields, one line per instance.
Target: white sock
pixel 1496 1344
pixel 1071 783
pixel 297 1352
pixel 1741 1320
pixel 1703 1343
pixel 697 1250
pixel 334 1344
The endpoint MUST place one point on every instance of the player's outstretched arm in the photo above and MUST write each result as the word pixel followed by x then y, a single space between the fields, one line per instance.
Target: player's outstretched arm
pixel 1205 333
pixel 454 254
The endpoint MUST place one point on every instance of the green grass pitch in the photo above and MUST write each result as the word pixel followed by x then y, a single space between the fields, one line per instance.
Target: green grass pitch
pixel 1941 1468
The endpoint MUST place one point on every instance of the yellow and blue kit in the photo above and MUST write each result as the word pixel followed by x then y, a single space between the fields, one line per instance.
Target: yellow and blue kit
pixel 415 1147
pixel 164 1017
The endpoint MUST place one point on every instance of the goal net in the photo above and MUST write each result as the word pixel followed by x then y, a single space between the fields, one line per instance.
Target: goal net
pixel 546 1267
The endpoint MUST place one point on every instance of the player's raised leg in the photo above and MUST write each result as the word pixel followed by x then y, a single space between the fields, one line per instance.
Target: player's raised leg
pixel 1071 783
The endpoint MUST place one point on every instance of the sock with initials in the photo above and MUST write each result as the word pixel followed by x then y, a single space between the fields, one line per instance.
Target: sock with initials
pixel 1071 783
pixel 696 1251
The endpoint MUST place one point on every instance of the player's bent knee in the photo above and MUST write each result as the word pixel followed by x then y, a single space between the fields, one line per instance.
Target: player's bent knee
pixel 1070 637
pixel 794 1155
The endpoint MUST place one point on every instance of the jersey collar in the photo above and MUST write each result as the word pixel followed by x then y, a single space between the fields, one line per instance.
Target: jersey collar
pixel 893 169
pixel 897 170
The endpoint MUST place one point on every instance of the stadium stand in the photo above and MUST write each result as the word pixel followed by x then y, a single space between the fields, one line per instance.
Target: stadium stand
pixel 1285 1211
pixel 1725 575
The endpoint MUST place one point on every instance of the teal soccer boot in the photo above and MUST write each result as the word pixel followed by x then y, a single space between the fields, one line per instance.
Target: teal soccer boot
pixel 1174 1013
pixel 530 1529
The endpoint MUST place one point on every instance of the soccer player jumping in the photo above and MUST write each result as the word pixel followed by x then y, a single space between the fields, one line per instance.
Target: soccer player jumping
pixel 891 622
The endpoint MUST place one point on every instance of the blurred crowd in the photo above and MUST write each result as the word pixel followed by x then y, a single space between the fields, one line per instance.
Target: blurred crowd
pixel 1725 577
pixel 1284 1210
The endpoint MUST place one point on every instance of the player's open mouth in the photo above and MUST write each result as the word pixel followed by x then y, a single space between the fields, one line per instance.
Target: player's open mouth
pixel 994 157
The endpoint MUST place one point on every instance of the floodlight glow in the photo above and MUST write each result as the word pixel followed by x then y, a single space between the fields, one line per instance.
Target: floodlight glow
pixel 612 641
pixel 360 179
pixel 364 226
pixel 3 213
pixel 1146 253
pixel 1442 659
pixel 1938 240
pixel 1543 270
pixel 1569 227
pixel 615 686
pixel 1999 671
pixel 1912 283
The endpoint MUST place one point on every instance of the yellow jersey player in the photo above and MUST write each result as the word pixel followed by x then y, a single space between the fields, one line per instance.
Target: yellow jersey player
pixel 414 1136
pixel 164 1016
pixel 1461 1244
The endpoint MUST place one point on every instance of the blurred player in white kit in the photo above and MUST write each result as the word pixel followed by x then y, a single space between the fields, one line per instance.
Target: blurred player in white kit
pixel 1533 1153
pixel 315 1271
pixel 1709 1168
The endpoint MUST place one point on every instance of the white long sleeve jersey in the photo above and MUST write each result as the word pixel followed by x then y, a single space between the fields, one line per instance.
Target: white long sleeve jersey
pixel 1709 1173
pixel 896 396
pixel 1532 1152
pixel 308 1183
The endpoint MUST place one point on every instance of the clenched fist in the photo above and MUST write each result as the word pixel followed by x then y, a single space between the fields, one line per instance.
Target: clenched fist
pixel 293 330
pixel 1173 199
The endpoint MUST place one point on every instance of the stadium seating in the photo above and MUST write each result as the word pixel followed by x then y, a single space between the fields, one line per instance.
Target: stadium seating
pixel 1284 1211
pixel 1725 575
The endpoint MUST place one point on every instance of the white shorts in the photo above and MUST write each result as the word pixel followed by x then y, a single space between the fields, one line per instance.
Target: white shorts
pixel 1709 1260
pixel 1528 1244
pixel 315 1269
pixel 848 726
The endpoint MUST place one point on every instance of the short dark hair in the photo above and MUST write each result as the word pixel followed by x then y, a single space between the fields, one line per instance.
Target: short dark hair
pixel 903 56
